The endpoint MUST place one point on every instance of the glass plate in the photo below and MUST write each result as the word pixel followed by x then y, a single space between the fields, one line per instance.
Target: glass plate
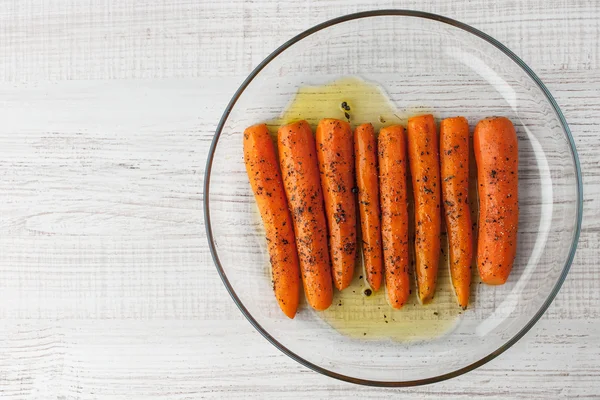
pixel 425 63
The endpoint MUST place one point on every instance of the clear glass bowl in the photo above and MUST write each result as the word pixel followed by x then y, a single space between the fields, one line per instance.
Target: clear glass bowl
pixel 424 62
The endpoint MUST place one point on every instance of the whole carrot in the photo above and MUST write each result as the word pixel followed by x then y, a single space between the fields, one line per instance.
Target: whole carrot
pixel 394 213
pixel 365 151
pixel 267 185
pixel 300 171
pixel 336 164
pixel 425 170
pixel 454 163
pixel 497 157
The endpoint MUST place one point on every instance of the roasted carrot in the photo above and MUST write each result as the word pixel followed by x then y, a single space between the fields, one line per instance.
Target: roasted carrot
pixel 335 152
pixel 425 170
pixel 497 157
pixel 265 179
pixel 454 169
pixel 365 151
pixel 300 171
pixel 394 213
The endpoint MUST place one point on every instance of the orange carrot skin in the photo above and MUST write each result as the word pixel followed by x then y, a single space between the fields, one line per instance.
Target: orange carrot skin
pixel 454 169
pixel 425 169
pixel 497 157
pixel 367 181
pixel 394 213
pixel 335 152
pixel 300 171
pixel 265 179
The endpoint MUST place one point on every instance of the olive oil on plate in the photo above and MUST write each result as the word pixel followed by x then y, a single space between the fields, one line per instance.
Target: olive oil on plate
pixel 358 311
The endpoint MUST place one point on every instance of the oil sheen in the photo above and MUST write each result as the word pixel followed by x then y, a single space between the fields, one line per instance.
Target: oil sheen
pixel 358 311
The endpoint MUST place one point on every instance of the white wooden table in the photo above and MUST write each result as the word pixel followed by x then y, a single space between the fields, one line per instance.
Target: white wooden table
pixel 107 287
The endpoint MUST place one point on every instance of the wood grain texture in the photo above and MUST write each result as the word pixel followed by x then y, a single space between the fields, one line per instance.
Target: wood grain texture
pixel 107 288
